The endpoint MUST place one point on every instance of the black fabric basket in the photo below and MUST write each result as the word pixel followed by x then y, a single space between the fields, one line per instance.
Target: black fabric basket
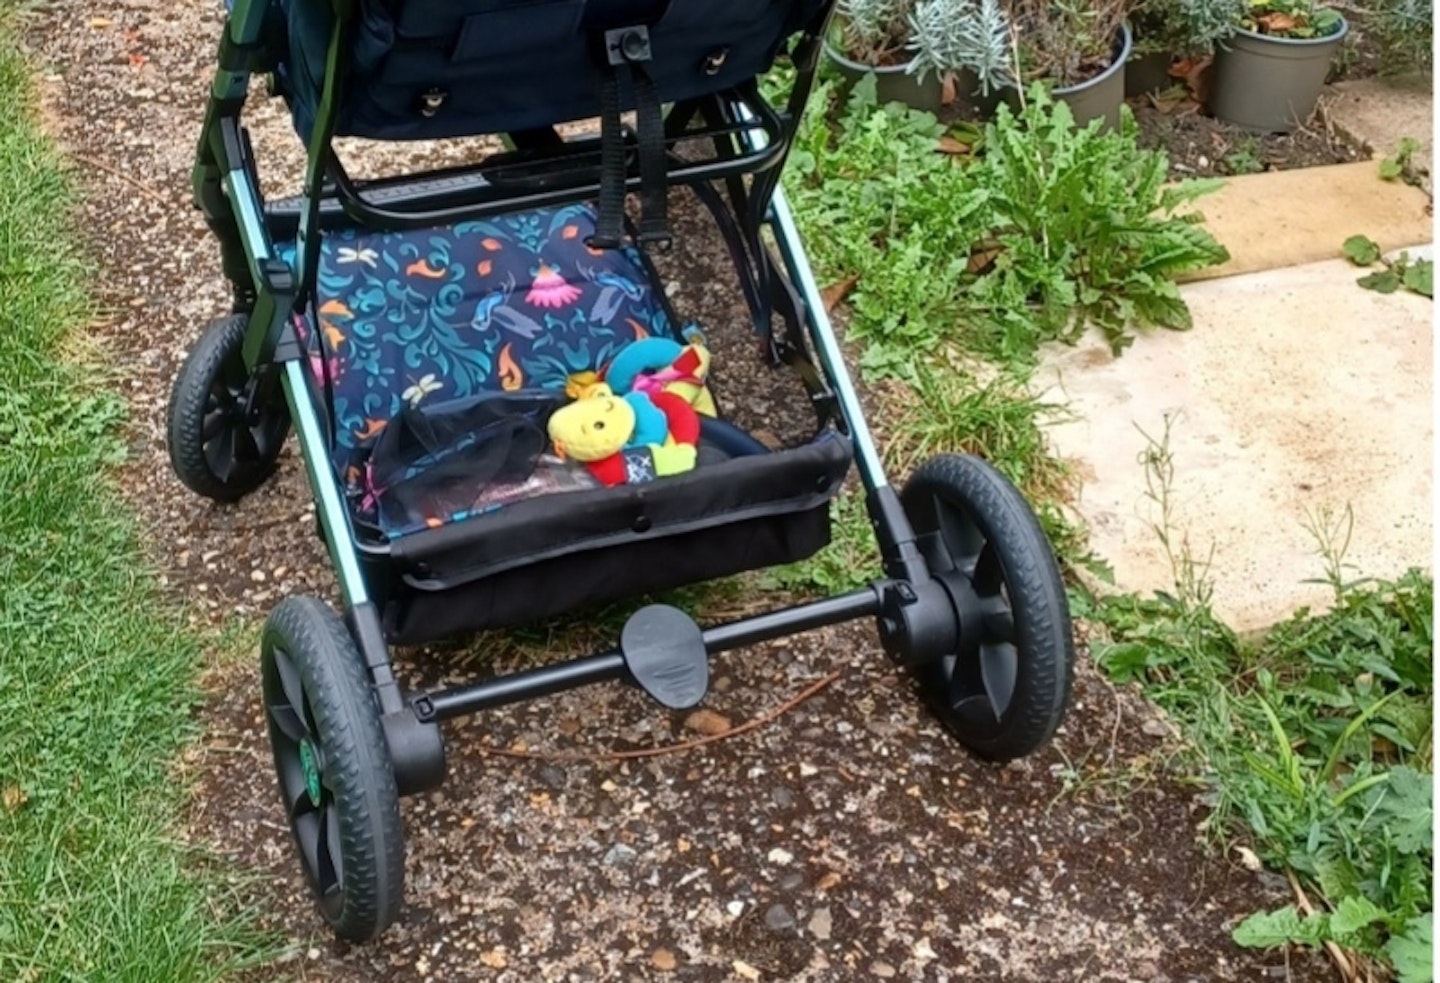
pixel 542 557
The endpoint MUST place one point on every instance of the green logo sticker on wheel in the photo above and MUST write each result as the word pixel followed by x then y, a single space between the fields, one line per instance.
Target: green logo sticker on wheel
pixel 311 767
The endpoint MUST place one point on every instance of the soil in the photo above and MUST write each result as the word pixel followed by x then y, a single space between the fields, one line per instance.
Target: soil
pixel 847 838
pixel 1199 145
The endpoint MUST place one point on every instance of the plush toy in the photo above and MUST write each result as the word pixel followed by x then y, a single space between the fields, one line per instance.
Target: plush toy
pixel 629 439
pixel 654 365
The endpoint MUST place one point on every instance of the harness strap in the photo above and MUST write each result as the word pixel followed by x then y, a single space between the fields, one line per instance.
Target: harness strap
pixel 626 51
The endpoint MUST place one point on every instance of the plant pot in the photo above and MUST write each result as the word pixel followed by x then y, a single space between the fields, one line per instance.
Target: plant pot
pixel 1148 73
pixel 1101 96
pixel 1269 84
pixel 892 82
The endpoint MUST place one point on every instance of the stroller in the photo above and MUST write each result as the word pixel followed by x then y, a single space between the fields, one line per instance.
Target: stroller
pixel 502 418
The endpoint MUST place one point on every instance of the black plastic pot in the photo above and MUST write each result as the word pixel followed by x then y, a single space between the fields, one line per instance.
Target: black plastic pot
pixel 892 82
pixel 1148 73
pixel 1101 96
pixel 1269 84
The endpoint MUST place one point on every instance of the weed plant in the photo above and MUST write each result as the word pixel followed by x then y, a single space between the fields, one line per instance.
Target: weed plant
pixel 1050 229
pixel 1316 739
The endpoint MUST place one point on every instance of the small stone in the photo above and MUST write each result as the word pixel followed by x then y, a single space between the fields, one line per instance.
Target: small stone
pixel 722 684
pixel 708 722
pixel 736 908
pixel 495 958
pixel 553 777
pixel 258 576
pixel 663 960
pixel 312 953
pixel 744 970
pixel 925 952
pixel 619 855
pixel 827 882
pixel 1155 728
pixel 792 881
pixel 807 770
pixel 819 925
pixel 782 797
pixel 882 970
pixel 779 919
pixel 780 855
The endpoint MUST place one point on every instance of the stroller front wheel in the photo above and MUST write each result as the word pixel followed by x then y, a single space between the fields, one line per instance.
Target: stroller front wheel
pixel 222 434
pixel 333 768
pixel 1004 691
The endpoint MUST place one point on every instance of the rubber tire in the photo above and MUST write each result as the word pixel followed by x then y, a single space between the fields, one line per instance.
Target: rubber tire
pixel 1044 642
pixel 220 342
pixel 357 762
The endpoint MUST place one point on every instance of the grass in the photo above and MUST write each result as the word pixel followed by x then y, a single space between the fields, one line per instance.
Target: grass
pixel 1315 740
pixel 97 680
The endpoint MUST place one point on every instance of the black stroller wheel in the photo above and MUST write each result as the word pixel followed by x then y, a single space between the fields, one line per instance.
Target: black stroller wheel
pixel 222 436
pixel 333 767
pixel 1003 694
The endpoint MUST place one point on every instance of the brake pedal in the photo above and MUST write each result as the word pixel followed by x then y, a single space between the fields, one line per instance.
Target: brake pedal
pixel 665 653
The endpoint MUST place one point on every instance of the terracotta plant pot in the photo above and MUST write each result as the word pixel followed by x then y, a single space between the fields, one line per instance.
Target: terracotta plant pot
pixel 1269 84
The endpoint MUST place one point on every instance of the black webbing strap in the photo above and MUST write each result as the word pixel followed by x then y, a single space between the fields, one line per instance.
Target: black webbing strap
pixel 626 51
pixel 610 220
pixel 650 127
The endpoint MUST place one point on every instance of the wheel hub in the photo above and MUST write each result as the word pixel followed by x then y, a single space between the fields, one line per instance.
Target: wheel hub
pixel 310 767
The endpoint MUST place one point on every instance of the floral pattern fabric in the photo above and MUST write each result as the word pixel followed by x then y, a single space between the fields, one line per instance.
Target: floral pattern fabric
pixel 511 302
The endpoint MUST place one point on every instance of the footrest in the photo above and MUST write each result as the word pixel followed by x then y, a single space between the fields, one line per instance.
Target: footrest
pixel 665 653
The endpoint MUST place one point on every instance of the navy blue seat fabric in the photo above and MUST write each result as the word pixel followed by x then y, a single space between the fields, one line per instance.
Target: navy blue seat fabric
pixel 496 66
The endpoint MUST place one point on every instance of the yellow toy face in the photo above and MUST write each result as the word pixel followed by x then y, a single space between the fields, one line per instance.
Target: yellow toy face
pixel 593 428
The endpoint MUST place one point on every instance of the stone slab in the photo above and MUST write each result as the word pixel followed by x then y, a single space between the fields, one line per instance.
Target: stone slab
pixel 1287 218
pixel 1296 392
pixel 1377 113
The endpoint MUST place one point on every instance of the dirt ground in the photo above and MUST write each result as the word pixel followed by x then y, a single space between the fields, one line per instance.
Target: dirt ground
pixel 845 839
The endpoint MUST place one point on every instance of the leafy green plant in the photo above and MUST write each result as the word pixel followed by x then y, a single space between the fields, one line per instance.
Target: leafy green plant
pixel 1406 32
pixel 1300 19
pixel 1086 230
pixel 873 31
pixel 1316 740
pixel 1244 158
pixel 1415 275
pixel 1393 166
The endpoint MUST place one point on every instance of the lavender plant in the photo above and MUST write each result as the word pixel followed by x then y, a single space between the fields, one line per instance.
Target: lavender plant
pixel 874 31
pixel 948 36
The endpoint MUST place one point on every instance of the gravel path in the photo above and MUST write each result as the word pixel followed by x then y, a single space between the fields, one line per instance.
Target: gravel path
pixel 846 839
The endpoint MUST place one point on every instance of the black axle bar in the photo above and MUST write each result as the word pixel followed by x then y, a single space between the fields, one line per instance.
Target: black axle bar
pixel 606 666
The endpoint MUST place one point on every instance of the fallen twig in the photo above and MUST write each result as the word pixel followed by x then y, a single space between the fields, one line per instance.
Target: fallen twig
pixel 651 752
pixel 139 186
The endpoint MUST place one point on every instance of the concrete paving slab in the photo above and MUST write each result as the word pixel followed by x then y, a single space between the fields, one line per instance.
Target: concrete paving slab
pixel 1297 391
pixel 1287 218
pixel 1377 113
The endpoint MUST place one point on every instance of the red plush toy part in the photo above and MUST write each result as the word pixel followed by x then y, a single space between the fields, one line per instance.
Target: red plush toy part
pixel 680 417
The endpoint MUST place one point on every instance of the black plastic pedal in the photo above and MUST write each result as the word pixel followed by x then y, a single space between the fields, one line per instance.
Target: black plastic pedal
pixel 665 653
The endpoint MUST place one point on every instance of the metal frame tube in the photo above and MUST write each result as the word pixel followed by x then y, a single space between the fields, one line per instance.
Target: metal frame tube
pixel 605 666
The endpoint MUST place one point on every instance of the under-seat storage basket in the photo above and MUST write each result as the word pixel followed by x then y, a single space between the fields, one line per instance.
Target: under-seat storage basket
pixel 542 556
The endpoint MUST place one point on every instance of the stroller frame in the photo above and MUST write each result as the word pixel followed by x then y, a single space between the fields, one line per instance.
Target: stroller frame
pixel 932 614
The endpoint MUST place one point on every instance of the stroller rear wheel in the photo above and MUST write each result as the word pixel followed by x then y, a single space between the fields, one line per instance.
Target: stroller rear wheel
pixel 1004 691
pixel 222 432
pixel 336 782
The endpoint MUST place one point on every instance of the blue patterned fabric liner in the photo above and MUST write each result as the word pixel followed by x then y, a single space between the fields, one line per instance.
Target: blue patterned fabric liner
pixel 511 302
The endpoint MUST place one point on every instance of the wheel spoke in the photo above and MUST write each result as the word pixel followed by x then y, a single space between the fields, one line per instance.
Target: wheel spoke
pixel 999 667
pixel 331 870
pixel 937 556
pixel 298 803
pixel 246 446
pixel 293 687
pixel 220 453
pixel 309 831
pixel 997 621
pixel 233 374
pixel 215 421
pixel 289 720
pixel 962 538
pixel 987 575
